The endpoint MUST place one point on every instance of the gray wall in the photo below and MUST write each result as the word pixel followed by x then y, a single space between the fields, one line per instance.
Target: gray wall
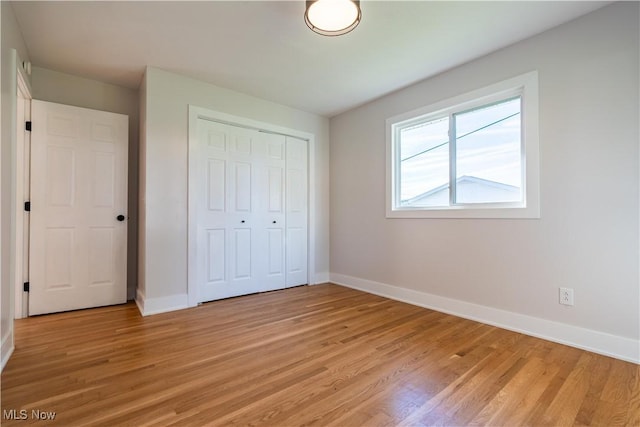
pixel 67 89
pixel 587 237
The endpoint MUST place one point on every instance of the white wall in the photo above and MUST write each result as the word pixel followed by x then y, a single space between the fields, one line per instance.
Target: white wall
pixel 11 39
pixel 164 192
pixel 53 86
pixel 507 272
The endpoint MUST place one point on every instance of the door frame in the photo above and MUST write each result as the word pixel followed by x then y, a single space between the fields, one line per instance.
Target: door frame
pixel 21 176
pixel 197 113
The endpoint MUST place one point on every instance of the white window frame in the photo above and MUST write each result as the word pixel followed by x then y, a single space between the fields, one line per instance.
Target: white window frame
pixel 525 86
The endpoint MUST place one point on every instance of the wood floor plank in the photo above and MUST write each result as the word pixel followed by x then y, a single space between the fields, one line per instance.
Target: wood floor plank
pixel 314 355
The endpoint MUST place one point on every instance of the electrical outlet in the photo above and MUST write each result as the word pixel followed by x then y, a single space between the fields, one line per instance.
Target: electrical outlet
pixel 566 296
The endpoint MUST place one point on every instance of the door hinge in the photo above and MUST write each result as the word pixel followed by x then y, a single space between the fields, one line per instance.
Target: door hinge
pixel 27 125
pixel 27 206
pixel 25 287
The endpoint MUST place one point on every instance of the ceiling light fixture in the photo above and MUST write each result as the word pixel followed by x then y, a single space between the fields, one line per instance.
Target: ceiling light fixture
pixel 332 17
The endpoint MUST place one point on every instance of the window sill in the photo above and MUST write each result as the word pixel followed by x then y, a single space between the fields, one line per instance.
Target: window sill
pixel 466 213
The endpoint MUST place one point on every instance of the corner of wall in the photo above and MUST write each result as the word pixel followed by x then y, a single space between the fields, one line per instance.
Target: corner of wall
pixel 7 348
pixel 142 187
pixel 12 47
pixel 320 278
pixel 150 306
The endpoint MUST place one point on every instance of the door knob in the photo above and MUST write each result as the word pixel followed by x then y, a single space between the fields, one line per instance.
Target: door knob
pixel 274 222
pixel 120 217
pixel 242 221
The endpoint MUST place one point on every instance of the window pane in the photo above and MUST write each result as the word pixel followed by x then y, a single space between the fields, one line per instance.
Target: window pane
pixel 424 164
pixel 488 154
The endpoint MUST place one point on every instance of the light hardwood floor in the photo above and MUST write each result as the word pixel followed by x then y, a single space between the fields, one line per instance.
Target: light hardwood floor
pixel 318 355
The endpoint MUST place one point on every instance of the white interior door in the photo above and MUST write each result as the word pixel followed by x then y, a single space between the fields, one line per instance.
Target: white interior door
pixel 297 211
pixel 78 239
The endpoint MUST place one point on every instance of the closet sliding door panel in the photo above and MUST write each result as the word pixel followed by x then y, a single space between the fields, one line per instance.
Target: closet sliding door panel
pixel 251 210
pixel 272 210
pixel 297 211
pixel 227 226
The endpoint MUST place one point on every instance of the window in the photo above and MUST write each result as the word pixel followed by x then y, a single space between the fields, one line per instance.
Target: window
pixel 473 156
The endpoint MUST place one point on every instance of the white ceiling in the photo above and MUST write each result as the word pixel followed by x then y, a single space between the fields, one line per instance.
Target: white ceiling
pixel 263 48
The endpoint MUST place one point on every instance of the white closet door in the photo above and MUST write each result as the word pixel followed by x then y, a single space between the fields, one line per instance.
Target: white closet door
pixel 249 186
pixel 297 211
pixel 78 239
pixel 227 246
pixel 271 194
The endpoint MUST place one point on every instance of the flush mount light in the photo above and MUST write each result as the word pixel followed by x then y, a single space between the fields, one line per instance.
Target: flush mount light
pixel 332 17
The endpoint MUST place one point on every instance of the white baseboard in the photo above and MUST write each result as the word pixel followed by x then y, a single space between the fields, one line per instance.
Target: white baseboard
pixel 6 348
pixel 320 278
pixel 587 339
pixel 149 306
